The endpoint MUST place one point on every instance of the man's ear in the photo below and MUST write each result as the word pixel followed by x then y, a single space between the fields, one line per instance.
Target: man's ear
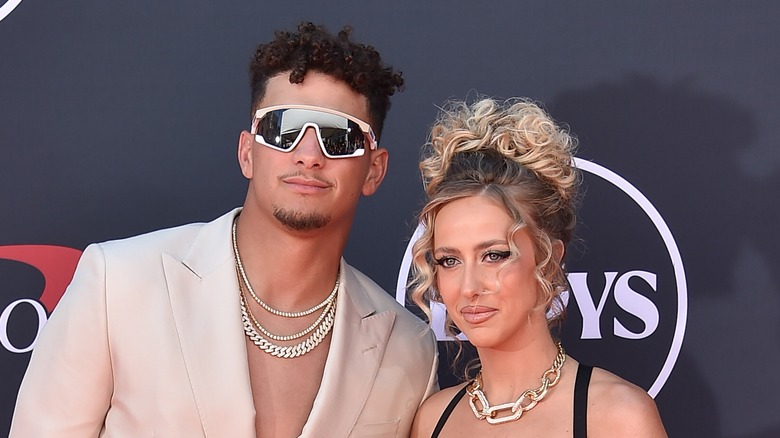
pixel 246 142
pixel 376 171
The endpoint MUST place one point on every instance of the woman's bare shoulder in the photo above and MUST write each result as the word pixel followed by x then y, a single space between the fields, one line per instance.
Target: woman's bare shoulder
pixel 617 407
pixel 428 414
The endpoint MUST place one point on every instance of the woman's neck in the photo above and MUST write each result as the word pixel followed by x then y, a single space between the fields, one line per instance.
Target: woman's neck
pixel 508 372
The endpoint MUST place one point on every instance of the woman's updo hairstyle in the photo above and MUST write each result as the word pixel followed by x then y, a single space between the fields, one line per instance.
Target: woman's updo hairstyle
pixel 515 155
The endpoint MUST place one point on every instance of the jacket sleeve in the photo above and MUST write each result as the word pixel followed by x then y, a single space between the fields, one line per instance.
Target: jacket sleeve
pixel 433 380
pixel 66 391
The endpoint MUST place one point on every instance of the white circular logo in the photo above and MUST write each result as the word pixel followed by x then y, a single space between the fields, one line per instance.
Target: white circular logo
pixel 9 6
pixel 637 300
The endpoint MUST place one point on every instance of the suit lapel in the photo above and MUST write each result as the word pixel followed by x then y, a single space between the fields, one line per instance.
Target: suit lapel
pixel 203 291
pixel 359 340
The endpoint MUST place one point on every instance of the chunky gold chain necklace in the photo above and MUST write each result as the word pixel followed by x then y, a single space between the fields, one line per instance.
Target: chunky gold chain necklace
pixel 243 278
pixel 527 401
pixel 323 324
pixel 291 351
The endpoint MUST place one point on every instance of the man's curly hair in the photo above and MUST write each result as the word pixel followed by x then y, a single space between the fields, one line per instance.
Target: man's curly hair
pixel 313 48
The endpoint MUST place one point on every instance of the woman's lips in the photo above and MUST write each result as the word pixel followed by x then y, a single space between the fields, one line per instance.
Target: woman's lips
pixel 477 314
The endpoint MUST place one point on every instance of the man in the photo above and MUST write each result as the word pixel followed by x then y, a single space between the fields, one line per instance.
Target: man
pixel 251 325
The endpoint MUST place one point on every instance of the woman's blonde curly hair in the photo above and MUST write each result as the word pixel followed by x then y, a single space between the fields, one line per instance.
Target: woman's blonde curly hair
pixel 515 155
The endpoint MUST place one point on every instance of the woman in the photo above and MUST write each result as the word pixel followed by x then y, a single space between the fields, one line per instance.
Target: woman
pixel 501 187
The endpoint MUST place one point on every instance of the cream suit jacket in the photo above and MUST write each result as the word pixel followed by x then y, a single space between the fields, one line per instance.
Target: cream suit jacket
pixel 148 341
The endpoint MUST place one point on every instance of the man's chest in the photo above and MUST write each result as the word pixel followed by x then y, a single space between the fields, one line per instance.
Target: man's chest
pixel 284 390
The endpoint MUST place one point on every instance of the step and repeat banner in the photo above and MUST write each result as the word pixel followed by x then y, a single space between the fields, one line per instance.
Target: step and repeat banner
pixel 118 118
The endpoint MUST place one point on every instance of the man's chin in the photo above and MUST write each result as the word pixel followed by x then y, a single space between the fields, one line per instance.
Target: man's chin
pixel 301 221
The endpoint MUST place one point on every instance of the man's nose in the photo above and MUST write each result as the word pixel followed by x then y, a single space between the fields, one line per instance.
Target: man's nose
pixel 308 152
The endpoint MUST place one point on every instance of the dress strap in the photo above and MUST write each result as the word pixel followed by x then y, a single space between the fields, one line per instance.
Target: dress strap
pixel 448 410
pixel 581 400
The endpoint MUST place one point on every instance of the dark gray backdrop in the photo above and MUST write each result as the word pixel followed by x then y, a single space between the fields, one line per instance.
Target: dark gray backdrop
pixel 118 118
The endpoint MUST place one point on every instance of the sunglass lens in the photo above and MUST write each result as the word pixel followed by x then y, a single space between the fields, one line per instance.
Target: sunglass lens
pixel 340 141
pixel 270 128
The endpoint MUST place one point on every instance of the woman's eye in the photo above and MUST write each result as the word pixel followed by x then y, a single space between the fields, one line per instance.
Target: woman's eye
pixel 446 262
pixel 497 256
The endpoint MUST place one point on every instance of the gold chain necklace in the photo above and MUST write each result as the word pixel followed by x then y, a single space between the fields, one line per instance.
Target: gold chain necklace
pixel 527 401
pixel 243 278
pixel 328 309
pixel 323 324
pixel 291 351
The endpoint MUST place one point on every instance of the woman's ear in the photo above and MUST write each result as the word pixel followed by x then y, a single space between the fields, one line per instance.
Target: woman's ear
pixel 558 250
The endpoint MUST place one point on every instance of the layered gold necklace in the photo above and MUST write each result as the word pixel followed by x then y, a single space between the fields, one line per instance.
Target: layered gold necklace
pixel 527 401
pixel 262 337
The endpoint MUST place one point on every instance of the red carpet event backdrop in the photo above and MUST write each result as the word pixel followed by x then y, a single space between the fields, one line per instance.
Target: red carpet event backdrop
pixel 122 118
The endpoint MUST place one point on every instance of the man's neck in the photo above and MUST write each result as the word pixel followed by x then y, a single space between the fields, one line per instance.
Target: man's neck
pixel 287 268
